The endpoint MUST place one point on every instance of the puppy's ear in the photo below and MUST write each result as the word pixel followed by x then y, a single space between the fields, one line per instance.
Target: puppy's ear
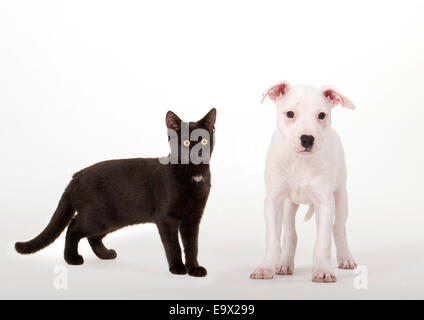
pixel 335 98
pixel 173 121
pixel 276 92
pixel 209 119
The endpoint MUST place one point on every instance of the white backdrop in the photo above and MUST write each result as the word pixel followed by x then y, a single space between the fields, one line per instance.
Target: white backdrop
pixel 86 81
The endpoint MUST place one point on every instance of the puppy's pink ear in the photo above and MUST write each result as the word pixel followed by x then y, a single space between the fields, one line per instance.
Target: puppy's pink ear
pixel 335 98
pixel 276 92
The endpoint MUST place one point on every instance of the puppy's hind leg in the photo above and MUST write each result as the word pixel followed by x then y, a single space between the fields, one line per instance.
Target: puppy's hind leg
pixel 286 266
pixel 99 248
pixel 344 257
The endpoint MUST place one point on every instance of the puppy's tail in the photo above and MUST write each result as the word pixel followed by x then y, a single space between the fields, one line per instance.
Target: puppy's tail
pixel 60 219
pixel 310 213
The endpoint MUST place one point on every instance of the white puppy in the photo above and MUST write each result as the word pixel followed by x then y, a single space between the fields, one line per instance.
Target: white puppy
pixel 305 165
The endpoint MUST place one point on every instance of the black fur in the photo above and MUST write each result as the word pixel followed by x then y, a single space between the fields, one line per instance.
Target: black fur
pixel 113 194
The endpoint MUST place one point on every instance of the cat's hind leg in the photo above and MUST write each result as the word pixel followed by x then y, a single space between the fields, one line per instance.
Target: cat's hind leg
pixel 99 248
pixel 73 235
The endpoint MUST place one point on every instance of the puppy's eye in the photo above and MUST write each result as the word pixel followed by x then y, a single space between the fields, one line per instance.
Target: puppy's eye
pixel 321 116
pixel 204 142
pixel 186 143
pixel 290 114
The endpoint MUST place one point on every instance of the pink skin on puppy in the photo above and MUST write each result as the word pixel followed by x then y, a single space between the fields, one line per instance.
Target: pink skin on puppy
pixel 305 165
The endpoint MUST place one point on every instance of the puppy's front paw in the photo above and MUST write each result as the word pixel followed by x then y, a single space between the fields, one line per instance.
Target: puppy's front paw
pixel 262 273
pixel 285 269
pixel 178 269
pixel 197 271
pixel 346 263
pixel 323 276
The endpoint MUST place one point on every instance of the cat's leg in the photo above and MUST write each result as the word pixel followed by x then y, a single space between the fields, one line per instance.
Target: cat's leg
pixel 99 248
pixel 168 231
pixel 73 235
pixel 189 234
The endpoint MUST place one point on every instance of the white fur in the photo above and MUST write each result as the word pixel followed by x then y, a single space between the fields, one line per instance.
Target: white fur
pixel 198 178
pixel 316 178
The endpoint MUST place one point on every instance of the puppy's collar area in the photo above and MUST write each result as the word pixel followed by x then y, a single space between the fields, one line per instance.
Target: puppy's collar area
pixel 197 179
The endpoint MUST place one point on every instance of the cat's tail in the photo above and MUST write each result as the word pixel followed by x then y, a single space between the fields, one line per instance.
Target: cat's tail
pixel 60 219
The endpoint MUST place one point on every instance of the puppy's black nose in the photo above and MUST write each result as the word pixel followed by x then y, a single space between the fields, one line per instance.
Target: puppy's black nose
pixel 307 141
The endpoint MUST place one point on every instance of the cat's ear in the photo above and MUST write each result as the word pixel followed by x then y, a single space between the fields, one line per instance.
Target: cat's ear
pixel 209 119
pixel 173 121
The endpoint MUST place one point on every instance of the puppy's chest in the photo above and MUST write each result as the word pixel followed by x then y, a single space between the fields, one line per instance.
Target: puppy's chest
pixel 300 194
pixel 299 180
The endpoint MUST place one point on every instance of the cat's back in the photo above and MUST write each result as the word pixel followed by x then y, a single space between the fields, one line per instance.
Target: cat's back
pixel 119 174
pixel 105 169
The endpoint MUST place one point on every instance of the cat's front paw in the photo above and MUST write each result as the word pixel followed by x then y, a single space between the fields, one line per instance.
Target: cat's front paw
pixel 197 271
pixel 178 269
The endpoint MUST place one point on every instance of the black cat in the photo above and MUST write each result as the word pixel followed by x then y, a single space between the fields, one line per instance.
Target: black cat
pixel 117 193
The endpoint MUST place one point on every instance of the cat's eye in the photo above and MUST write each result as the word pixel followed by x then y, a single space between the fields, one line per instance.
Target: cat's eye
pixel 290 114
pixel 186 143
pixel 321 116
pixel 204 142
